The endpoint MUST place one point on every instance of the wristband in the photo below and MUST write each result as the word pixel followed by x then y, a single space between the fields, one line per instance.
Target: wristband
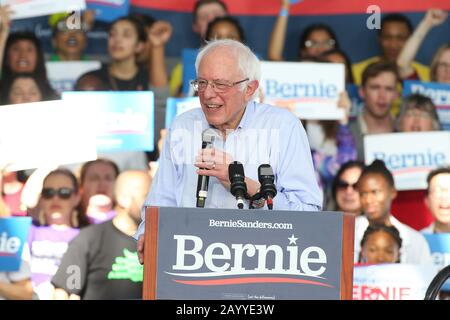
pixel 284 12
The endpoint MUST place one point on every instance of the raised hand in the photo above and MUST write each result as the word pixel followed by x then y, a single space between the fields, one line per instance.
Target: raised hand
pixel 435 17
pixel 5 19
pixel 160 33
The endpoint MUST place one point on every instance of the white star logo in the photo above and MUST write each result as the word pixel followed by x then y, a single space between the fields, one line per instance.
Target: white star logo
pixel 292 240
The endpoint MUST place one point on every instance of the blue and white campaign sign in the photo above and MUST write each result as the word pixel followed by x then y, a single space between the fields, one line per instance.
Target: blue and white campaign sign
pixel 188 57
pixel 397 281
pixel 13 235
pixel 176 106
pixel 440 251
pixel 109 10
pixel 123 120
pixel 438 92
pixel 310 90
pixel 35 8
pixel 409 156
pixel 50 133
pixel 63 74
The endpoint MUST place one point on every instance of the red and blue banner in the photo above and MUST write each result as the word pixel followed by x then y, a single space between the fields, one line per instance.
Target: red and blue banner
pixel 305 7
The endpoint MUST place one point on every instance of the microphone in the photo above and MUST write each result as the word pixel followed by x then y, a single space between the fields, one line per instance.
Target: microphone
pixel 266 179
pixel 208 137
pixel 238 187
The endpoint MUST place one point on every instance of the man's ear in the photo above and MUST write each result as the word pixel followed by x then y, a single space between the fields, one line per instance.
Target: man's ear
pixel 394 194
pixel 251 87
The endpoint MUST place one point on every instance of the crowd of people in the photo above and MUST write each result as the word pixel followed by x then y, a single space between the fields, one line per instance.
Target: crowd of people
pixel 84 218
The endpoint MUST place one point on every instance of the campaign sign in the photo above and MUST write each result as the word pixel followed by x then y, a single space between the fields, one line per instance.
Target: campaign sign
pixel 226 254
pixel 123 120
pixel 63 74
pixel 440 251
pixel 13 235
pixel 438 92
pixel 310 90
pixel 409 156
pixel 397 281
pixel 42 134
pixel 188 57
pixel 35 8
pixel 176 106
pixel 109 10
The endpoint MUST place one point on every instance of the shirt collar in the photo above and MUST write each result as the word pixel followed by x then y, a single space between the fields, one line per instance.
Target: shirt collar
pixel 246 117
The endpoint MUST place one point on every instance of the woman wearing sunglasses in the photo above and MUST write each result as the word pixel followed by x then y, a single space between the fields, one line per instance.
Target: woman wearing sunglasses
pixel 58 221
pixel 344 193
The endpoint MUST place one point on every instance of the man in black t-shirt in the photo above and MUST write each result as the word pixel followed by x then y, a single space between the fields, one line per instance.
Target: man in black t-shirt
pixel 102 262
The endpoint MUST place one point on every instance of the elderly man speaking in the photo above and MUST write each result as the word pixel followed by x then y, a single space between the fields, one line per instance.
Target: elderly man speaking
pixel 246 131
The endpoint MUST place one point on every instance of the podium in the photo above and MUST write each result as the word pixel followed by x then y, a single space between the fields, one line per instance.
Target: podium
pixel 217 254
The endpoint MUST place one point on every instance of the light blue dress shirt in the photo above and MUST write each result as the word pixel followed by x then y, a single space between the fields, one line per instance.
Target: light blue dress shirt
pixel 265 135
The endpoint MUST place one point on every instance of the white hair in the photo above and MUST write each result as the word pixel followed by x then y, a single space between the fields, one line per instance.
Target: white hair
pixel 248 63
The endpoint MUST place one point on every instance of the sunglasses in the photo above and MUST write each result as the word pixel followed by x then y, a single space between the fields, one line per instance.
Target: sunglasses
pixel 62 193
pixel 343 185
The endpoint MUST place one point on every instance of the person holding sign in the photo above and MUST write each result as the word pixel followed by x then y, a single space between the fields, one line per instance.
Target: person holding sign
pixel 246 131
pixel 377 190
pixel 380 244
pixel 417 114
pixel 438 200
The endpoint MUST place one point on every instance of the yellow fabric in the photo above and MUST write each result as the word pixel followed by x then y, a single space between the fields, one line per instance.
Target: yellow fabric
pixel 358 69
pixel 176 80
pixel 55 18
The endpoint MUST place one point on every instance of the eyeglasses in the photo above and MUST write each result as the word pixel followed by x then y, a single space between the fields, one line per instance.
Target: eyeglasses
pixel 63 193
pixel 443 65
pixel 218 86
pixel 343 185
pixel 316 44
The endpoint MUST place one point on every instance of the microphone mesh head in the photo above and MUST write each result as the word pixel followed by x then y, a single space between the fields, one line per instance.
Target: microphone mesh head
pixel 209 135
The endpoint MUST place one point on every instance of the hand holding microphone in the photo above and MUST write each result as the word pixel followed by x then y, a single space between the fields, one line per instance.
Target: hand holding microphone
pixel 208 137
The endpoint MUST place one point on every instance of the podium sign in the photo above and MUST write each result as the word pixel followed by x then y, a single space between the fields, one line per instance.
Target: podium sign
pixel 247 254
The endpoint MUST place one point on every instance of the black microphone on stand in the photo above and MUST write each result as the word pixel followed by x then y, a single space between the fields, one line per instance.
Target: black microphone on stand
pixel 208 137
pixel 238 186
pixel 266 179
